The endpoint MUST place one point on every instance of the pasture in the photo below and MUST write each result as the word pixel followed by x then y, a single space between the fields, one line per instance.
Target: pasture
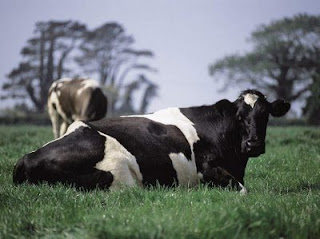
pixel 283 199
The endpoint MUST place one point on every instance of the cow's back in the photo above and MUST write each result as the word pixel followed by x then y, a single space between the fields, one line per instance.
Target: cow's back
pixel 78 99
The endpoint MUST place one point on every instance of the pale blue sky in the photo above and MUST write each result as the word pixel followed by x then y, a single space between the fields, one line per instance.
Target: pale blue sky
pixel 185 35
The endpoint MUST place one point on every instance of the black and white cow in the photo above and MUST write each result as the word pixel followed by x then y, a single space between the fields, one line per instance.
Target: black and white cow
pixel 175 146
pixel 74 99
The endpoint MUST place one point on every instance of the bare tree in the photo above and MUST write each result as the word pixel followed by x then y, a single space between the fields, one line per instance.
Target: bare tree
pixel 150 91
pixel 108 51
pixel 282 61
pixel 44 60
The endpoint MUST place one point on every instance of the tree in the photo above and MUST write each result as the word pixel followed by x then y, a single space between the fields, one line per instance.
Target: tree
pixel 312 108
pixel 105 52
pixel 108 51
pixel 282 61
pixel 44 60
pixel 150 91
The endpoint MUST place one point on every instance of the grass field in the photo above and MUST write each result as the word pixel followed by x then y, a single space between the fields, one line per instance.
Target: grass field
pixel 283 199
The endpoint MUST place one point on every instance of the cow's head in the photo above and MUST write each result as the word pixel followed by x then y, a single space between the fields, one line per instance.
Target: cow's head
pixel 253 111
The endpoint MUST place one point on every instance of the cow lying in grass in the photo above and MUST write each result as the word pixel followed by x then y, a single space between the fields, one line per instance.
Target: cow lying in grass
pixel 74 99
pixel 176 146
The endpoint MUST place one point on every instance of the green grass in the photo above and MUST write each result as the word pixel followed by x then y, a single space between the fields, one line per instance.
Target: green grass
pixel 283 199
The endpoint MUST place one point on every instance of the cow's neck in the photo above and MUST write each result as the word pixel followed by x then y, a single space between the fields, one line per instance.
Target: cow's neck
pixel 220 141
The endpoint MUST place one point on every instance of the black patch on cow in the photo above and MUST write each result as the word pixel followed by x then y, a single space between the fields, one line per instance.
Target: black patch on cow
pixel 70 160
pixel 156 129
pixel 150 142
pixel 219 149
pixel 94 111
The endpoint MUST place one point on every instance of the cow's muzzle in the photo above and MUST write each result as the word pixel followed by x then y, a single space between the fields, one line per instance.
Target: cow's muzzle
pixel 255 147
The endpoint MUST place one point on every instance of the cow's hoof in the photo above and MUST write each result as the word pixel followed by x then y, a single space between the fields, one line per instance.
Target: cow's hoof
pixel 243 190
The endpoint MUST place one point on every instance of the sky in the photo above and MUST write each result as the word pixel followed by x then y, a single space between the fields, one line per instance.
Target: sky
pixel 185 36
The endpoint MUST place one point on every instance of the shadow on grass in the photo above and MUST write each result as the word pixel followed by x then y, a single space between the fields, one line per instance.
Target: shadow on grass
pixel 303 187
pixel 313 187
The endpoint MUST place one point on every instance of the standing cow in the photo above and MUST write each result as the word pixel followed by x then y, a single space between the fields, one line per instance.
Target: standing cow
pixel 175 146
pixel 74 99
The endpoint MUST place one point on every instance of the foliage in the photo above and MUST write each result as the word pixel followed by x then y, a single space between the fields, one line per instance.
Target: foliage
pixel 45 56
pixel 283 61
pixel 312 108
pixel 56 48
pixel 19 116
pixel 283 199
pixel 107 51
pixel 150 91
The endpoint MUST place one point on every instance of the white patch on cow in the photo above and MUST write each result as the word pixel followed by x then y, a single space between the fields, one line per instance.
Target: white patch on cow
pixel 54 99
pixel 73 127
pixel 58 83
pixel 186 170
pixel 243 190
pixel 52 86
pixel 250 99
pixel 173 116
pixel 87 83
pixel 121 163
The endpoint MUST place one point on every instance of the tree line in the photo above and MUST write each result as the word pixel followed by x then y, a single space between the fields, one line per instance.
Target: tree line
pixel 284 62
pixel 68 48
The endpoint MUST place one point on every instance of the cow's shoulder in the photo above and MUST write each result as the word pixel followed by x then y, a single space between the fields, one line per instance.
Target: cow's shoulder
pixel 167 116
pixel 207 115
pixel 214 125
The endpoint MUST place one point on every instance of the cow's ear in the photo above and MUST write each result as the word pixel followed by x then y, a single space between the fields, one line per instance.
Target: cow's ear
pixel 225 107
pixel 279 108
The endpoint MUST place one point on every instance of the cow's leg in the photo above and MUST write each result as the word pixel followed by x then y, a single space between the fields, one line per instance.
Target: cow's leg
pixel 63 127
pixel 217 176
pixel 55 119
pixel 85 97
pixel 243 190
